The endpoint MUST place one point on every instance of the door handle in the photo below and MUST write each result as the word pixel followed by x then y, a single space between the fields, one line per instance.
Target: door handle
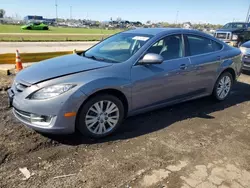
pixel 218 57
pixel 183 66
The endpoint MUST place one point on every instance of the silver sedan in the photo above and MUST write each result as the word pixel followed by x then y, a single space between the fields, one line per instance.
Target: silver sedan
pixel 129 73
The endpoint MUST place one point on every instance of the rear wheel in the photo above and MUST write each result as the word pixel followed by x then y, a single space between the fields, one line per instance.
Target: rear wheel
pixel 100 116
pixel 223 86
pixel 45 28
pixel 29 28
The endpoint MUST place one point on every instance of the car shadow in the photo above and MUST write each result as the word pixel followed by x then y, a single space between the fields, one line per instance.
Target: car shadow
pixel 159 119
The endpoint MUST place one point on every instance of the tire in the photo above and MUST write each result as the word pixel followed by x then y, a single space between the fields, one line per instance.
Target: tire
pixel 45 28
pixel 221 95
pixel 88 126
pixel 29 28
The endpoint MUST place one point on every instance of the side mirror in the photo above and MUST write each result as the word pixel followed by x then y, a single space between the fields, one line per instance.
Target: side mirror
pixel 151 58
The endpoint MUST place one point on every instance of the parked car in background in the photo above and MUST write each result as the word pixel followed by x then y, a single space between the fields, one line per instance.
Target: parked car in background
pixel 35 26
pixel 234 33
pixel 129 73
pixel 245 49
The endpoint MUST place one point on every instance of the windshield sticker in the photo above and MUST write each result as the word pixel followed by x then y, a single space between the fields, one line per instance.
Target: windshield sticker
pixel 141 38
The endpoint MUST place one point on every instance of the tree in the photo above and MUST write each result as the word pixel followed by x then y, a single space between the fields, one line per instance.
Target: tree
pixel 2 13
pixel 119 19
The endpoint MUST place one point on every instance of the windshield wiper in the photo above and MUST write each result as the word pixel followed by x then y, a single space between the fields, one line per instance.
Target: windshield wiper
pixel 101 59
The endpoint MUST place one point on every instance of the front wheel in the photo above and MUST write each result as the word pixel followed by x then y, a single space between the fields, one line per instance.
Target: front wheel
pixel 223 86
pixel 100 116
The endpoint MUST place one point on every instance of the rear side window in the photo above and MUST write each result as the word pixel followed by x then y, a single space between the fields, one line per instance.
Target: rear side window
pixel 199 45
pixel 216 46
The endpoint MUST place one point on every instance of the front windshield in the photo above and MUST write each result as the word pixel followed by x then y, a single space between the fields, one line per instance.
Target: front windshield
pixel 234 26
pixel 118 48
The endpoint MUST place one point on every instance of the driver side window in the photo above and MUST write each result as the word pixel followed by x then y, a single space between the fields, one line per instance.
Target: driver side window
pixel 169 47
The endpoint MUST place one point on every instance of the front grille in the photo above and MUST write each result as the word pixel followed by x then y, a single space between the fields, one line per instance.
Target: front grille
pixel 223 36
pixel 26 116
pixel 40 120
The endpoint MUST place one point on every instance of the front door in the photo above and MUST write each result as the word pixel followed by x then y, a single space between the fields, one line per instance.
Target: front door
pixel 159 83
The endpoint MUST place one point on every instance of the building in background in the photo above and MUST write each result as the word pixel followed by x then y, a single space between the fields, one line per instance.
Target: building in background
pixel 34 18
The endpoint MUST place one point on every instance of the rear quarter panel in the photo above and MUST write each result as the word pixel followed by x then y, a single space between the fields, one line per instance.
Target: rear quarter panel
pixel 231 58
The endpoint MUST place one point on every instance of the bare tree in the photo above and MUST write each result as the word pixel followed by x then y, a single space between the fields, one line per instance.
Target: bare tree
pixel 2 13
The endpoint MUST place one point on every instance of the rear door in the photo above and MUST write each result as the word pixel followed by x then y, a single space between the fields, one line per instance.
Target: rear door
pixel 205 57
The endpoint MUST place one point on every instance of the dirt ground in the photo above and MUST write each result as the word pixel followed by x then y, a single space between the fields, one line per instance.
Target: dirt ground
pixel 198 144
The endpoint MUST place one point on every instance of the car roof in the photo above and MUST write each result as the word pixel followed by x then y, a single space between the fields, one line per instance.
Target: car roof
pixel 153 31
pixel 237 22
pixel 163 31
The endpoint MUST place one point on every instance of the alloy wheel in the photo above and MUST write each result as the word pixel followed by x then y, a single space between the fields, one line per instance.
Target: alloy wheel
pixel 223 87
pixel 102 117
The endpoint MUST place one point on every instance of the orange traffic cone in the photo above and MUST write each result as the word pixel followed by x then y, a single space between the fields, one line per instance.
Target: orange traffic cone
pixel 19 65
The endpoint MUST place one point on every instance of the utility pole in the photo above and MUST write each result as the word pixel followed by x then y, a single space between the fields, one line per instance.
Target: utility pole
pixel 247 18
pixel 56 10
pixel 71 12
pixel 176 19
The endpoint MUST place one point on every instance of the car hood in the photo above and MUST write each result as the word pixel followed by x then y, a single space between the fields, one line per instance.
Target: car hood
pixel 228 30
pixel 246 44
pixel 57 67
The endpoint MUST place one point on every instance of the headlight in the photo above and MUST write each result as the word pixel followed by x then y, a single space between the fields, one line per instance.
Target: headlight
pixel 235 37
pixel 245 50
pixel 51 91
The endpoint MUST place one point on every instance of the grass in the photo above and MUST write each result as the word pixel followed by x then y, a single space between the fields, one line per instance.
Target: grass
pixel 48 38
pixel 17 29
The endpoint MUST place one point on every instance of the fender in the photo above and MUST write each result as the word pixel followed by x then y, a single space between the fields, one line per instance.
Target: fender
pixel 120 84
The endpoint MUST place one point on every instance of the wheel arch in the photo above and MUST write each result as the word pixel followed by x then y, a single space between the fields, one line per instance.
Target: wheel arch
pixel 111 91
pixel 231 71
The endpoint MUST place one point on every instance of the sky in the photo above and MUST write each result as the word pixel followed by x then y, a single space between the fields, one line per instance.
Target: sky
pixel 195 11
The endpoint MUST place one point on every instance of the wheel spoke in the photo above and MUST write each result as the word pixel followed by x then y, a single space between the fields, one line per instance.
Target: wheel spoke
pixel 113 121
pixel 97 127
pixel 224 79
pixel 219 89
pixel 227 80
pixel 111 125
pixel 91 125
pixel 104 128
pixel 94 120
pixel 111 108
pixel 96 105
pixel 93 110
pixel 101 105
pixel 220 94
pixel 90 117
pixel 100 128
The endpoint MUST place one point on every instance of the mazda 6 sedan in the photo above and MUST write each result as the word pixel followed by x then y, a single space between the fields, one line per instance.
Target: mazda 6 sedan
pixel 126 74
